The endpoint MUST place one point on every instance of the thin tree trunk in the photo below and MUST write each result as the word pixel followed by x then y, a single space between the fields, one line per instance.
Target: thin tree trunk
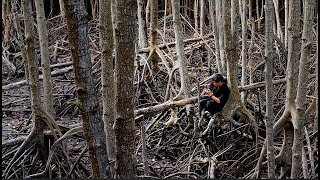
pixel 244 8
pixel 125 36
pixel 195 16
pixel 142 25
pixel 107 79
pixel 301 101
pixel 221 30
pixel 286 22
pixel 202 16
pixel 5 20
pixel 258 14
pixel 45 59
pixel 250 51
pixel 269 87
pixel 185 81
pixel 185 88
pixel 153 56
pixel 276 10
pixel 293 51
pixel 316 120
pixel 93 126
pixel 33 74
pixel 213 14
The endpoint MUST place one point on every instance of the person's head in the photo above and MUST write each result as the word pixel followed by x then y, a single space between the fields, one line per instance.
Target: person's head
pixel 218 80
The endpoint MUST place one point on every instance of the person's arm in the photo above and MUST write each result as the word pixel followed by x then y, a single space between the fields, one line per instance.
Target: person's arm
pixel 213 97
pixel 216 99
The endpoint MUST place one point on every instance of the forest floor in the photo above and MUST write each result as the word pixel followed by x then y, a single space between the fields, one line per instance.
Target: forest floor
pixel 172 151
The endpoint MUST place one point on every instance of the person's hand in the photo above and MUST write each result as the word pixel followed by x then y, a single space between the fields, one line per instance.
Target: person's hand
pixel 208 91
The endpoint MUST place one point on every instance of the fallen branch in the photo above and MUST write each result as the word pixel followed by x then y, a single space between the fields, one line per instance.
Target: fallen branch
pixel 147 49
pixel 24 82
pixel 165 106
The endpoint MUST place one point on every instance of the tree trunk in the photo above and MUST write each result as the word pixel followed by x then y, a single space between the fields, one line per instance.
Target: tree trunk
pixel 286 22
pixel 269 87
pixel 258 15
pixel 195 16
pixel 221 20
pixel 5 20
pixel 33 74
pixel 213 14
pixel 293 51
pixel 185 89
pixel 107 79
pixel 45 59
pixel 153 56
pixel 125 36
pixel 184 78
pixel 250 51
pixel 202 16
pixel 243 8
pixel 315 124
pixel 142 25
pixel 276 10
pixel 93 126
pixel 301 102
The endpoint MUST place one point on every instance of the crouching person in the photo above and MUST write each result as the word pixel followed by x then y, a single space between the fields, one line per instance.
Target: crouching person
pixel 217 94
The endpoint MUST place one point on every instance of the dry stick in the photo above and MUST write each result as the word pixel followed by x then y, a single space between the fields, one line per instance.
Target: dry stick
pixel 191 157
pixel 77 161
pixel 15 141
pixel 25 145
pixel 313 172
pixel 24 82
pixel 148 49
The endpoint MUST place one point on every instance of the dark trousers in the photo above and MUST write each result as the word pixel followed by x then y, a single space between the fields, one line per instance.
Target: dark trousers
pixel 210 105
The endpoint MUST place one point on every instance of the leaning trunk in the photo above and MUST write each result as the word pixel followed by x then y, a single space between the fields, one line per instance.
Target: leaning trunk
pixel 93 126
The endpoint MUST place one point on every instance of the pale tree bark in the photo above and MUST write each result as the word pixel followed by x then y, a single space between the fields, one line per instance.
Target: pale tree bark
pixel 153 56
pixel 142 25
pixel 276 10
pixel 195 16
pixel 250 51
pixel 293 51
pixel 94 6
pixel 258 15
pixel 213 14
pixel 107 79
pixel 202 16
pixel 220 24
pixel 286 22
pixel 185 81
pixel 244 11
pixel 45 59
pixel 269 87
pixel 125 36
pixel 147 13
pixel 301 101
pixel 91 117
pixel 185 88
